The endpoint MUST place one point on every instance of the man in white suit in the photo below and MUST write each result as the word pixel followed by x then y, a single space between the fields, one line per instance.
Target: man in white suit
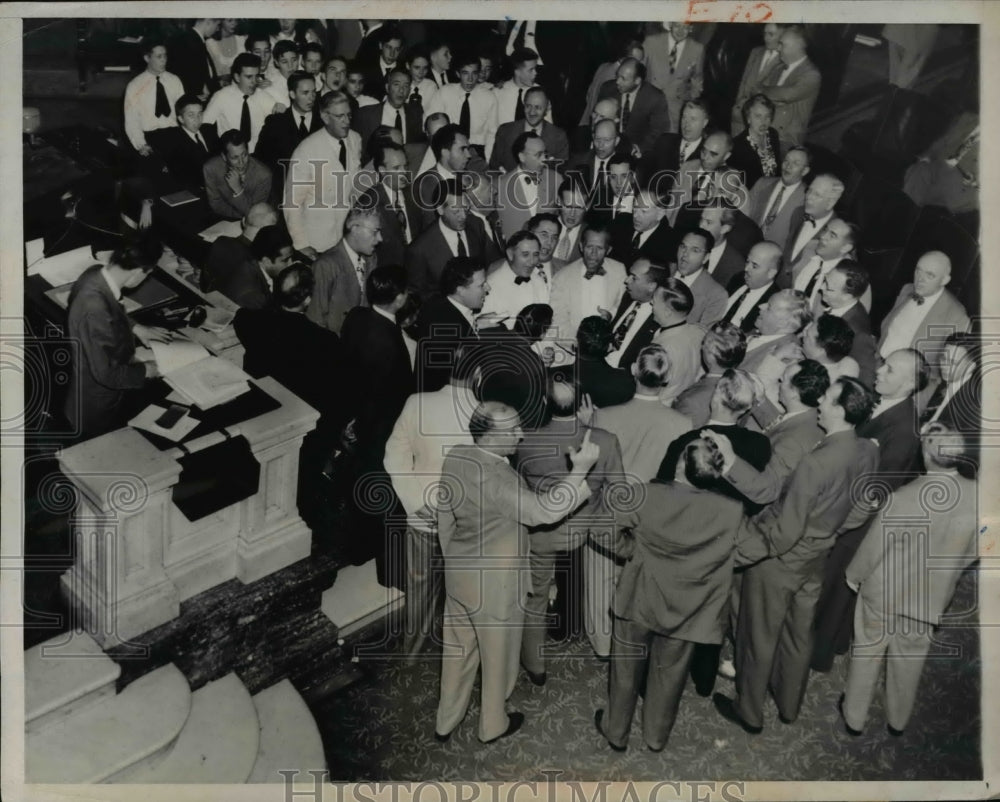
pixel 674 64
pixel 591 285
pixel 528 190
pixel 320 186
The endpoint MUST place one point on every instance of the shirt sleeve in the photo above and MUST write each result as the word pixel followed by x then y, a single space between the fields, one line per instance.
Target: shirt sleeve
pixel 133 116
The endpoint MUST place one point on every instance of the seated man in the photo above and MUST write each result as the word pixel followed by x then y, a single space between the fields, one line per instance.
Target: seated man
pixel 227 254
pixel 186 147
pixel 250 285
pixel 235 180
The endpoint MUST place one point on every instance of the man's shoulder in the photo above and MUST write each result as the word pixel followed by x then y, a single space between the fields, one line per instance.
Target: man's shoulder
pixel 331 259
pixel 214 164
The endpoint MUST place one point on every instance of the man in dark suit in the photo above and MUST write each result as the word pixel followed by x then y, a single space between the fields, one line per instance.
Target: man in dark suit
pixel 536 104
pixel 605 385
pixel 644 112
pixel 841 294
pixel 394 202
pixel 786 546
pixel 227 254
pixel 724 262
pixel 957 399
pixel 250 284
pixel 660 165
pixel 650 236
pixel 456 233
pixel 377 65
pixel 590 169
pixel 283 132
pixel 608 108
pixel 105 372
pixel 680 530
pixel 450 147
pixel 190 60
pixel 807 221
pixel 633 325
pixel 753 288
pixel 393 111
pixel 186 147
pixel 793 85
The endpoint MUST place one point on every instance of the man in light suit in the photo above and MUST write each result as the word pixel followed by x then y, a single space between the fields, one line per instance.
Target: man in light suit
pixel 341 271
pixel 773 201
pixel 893 623
pixel 793 87
pixel 786 547
pixel 723 347
pixel 317 200
pixel 234 180
pixel 572 208
pixel 429 425
pixel 484 510
pixel 530 188
pixel 809 220
pixel 710 298
pixel 924 312
pixel 591 285
pixel 536 104
pixel 759 65
pixel 675 62
pixel 644 112
pixel 672 303
pixel 778 325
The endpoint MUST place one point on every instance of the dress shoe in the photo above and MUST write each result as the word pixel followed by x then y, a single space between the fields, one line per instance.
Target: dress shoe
pixel 441 739
pixel 514 722
pixel 536 679
pixel 893 731
pixel 847 727
pixel 727 709
pixel 597 723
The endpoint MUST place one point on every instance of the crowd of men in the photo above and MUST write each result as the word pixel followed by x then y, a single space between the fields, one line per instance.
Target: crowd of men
pixel 636 349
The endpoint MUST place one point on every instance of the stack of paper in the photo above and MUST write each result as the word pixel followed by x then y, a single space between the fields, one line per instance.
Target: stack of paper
pixel 63 268
pixel 217 320
pixel 224 228
pixel 200 378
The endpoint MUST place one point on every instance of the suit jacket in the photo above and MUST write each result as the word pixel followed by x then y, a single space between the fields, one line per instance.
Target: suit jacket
pixel 103 369
pixel 897 433
pixel 710 299
pixel 279 137
pixel 441 328
pixel 678 581
pixel 686 79
pixel 598 194
pixel 427 255
pixel 256 188
pixel 392 249
pixel 337 289
pixel 642 338
pixel 542 461
pixel 752 447
pixel 730 268
pixel 649 116
pixel 183 158
pixel 795 223
pixel 606 386
pixel 749 323
pixel 568 304
pixel 758 352
pixel 246 286
pixel 946 313
pixel 757 208
pixel 225 256
pixel 683 346
pixel 660 247
pixel 512 205
pixel 791 439
pixel 745 159
pixel 485 511
pixel 644 428
pixel 191 62
pixel 891 566
pixel 863 350
pixel 513 374
pixel 726 183
pixel 794 99
pixel 369 118
pixel 556 144
pixel 749 86
pixel 662 162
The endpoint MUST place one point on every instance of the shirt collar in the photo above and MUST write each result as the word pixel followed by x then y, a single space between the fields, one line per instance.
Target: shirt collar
pixel 644 397
pixel 691 277
pixel 444 171
pixel 842 311
pixel 353 255
pixel 386 315
pixel 112 284
pixel 930 300
pixel 794 64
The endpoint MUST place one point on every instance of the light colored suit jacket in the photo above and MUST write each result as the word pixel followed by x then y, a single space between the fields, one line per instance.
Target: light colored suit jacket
pixel 683 346
pixel 511 202
pixel 318 191
pixel 758 204
pixel 794 99
pixel 750 85
pixel 685 82
pixel 945 316
pixel 572 300
pixel 337 289
pixel 644 428
pixel 710 300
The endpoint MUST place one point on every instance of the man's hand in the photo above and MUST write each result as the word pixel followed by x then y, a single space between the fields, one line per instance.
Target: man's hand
pixel 604 313
pixel 636 152
pixel 724 445
pixel 152 372
pixel 309 252
pixel 146 214
pixel 235 181
pixel 584 457
pixel 145 150
pixel 151 334
pixel 585 414
pixel 787 352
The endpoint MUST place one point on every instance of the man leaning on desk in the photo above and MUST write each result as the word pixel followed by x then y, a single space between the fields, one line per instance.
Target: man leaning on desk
pixel 106 371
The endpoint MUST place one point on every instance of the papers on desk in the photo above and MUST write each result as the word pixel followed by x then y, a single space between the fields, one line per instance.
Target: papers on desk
pixel 224 228
pixel 200 378
pixel 146 420
pixel 179 198
pixel 63 268
pixel 217 320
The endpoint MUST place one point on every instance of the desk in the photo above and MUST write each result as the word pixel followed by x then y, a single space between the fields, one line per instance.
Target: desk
pixel 138 557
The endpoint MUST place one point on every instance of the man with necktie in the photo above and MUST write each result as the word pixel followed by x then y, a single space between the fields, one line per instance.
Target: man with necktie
pixel 472 106
pixel 511 96
pixel 774 200
pixel 240 105
pixel 187 146
pixel 533 121
pixel 377 67
pixel 793 86
pixel 644 112
pixel 283 132
pixel 391 196
pixel 394 111
pixel 531 188
pixel 763 265
pixel 817 210
pixel 150 98
pixel 675 62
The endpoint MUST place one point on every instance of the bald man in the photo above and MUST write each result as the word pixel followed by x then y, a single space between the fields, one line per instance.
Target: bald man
pixel 606 109
pixel 707 178
pixel 228 253
pixel 643 114
pixel 758 285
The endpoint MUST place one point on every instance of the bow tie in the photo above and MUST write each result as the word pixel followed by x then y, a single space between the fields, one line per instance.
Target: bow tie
pixel 917 299
pixel 597 271
pixel 521 280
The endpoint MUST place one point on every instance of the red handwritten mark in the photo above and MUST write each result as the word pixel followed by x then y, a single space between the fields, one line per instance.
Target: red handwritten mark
pixel 717 11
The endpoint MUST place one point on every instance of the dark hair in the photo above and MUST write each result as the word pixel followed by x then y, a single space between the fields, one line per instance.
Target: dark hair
pixel 701 105
pixel 458 272
pixel 621 158
pixel 185 100
pixel 835 336
pixel 811 381
pixel 676 293
pixel 293 285
pixel 444 189
pixel 142 252
pixel 330 59
pixel 417 51
pixel 332 98
pixel 465 58
pixel 521 142
pixel 652 367
pixel 282 47
pixel 444 139
pixel 152 43
pixel 298 77
pixel 253 38
pixel 313 47
pixel 958 454
pixel 466 359
pixel 543 217
pixel 702 463
pixel 389 32
pixel 803 149
pixel 234 136
pixel 355 67
pixel 970 343
pixel 381 149
pixel 593 337
pixel 242 61
pixel 854 398
pixel 855 277
pixel 600 226
pixel 380 137
pixel 398 71
pixel 522 55
pixel 533 321
pixel 384 284
pixel 520 236
pixel 269 242
pixel 705 235
pixel 573 182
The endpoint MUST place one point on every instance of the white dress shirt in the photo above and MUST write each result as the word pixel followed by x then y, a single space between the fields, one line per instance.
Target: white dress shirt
pixel 225 109
pixel 508 297
pixel 277 91
pixel 788 69
pixel 451 237
pixel 643 311
pixel 426 88
pixel 359 265
pixel 815 267
pixel 482 112
pixel 140 105
pixel 439 78
pixel 691 278
pixel 903 327
pixel 746 298
pixel 630 96
pixel 389 118
pixel 507 102
pixel 808 231
pixel 767 62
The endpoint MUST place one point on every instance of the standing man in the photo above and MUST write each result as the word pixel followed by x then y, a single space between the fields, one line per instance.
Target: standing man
pixel 773 201
pixel 592 285
pixel 633 325
pixel 710 299
pixel 150 98
pixel 675 63
pixel 394 202
pixel 533 121
pixel 451 154
pixel 235 180
pixel 762 60
pixel 483 512
pixel 834 244
pixel 745 302
pixel 706 178
pixel 512 95
pixel 530 188
pixel 377 70
pixel 724 262
pixel 471 106
pixel 644 112
pixel 672 303
pixel 319 189
pixel 793 87
pixel 191 61
pixel 659 166
pixel 393 111
pixel 723 348
pixel 842 293
pixel 282 133
pixel 240 106
pixel 572 207
pixel 518 281
pixel 807 222
pixel 251 284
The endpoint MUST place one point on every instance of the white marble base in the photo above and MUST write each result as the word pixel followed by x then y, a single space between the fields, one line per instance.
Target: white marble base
pixel 289 738
pixel 357 599
pixel 261 556
pixel 200 572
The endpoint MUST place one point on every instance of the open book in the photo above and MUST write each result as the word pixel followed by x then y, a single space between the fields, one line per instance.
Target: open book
pixel 200 378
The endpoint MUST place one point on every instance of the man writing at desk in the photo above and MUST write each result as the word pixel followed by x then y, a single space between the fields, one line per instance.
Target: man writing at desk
pixel 105 366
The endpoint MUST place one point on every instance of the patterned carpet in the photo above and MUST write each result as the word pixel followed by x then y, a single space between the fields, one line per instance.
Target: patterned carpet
pixel 381 728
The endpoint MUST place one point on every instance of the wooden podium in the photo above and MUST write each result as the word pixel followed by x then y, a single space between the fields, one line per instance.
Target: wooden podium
pixel 138 556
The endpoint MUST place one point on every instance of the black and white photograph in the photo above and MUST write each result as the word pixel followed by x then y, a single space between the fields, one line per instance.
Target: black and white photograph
pixel 589 406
